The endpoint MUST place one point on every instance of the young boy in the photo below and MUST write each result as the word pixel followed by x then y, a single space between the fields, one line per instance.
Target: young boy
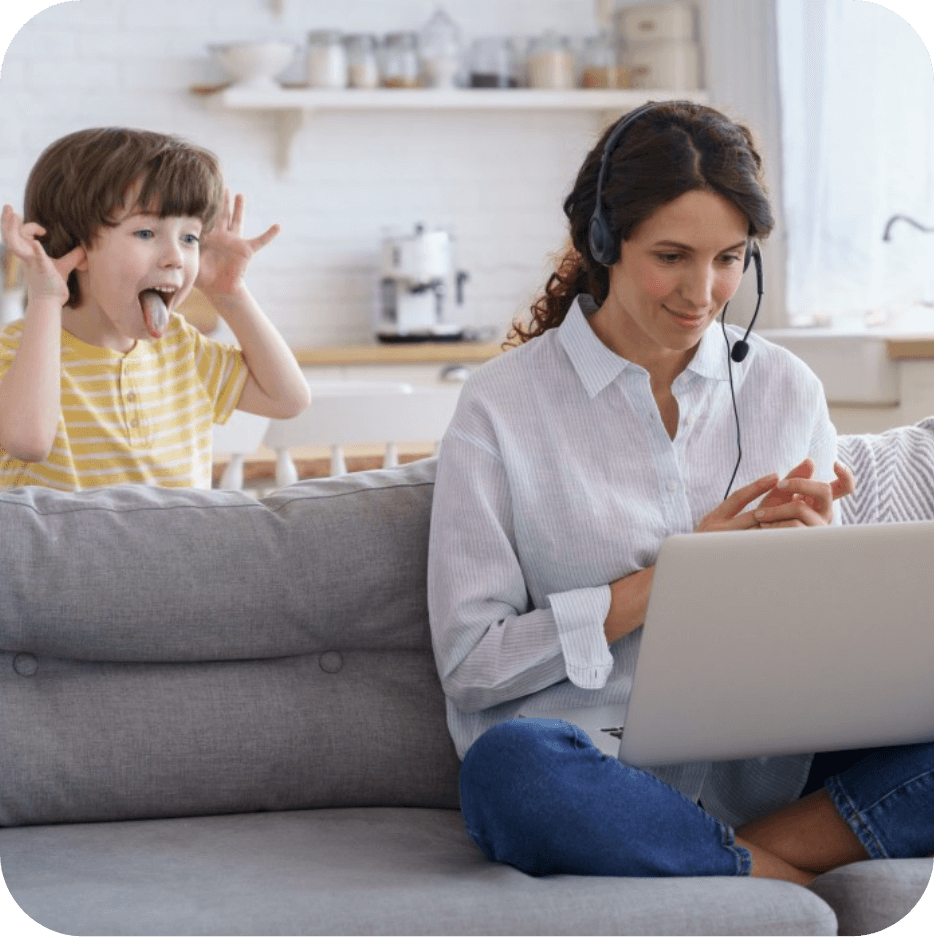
pixel 102 382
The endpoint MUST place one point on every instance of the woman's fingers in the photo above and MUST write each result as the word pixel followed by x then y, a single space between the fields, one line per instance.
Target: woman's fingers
pixel 845 482
pixel 728 516
pixel 794 513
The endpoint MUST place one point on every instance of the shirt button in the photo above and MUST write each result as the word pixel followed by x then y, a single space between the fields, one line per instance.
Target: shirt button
pixel 672 486
pixel 134 422
pixel 131 396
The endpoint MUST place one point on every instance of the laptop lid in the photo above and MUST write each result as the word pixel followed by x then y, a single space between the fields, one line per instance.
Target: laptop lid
pixel 785 641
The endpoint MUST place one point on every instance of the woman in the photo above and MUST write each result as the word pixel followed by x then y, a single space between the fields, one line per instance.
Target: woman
pixel 569 460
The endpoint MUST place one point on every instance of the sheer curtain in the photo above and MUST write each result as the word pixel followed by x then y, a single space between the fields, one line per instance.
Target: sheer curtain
pixel 857 98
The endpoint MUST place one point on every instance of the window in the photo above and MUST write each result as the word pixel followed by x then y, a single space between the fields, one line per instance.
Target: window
pixel 857 100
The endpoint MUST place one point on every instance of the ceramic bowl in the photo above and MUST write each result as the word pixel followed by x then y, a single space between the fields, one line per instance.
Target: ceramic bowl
pixel 254 64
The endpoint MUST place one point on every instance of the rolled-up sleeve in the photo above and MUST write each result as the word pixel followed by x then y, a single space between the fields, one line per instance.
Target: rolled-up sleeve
pixel 490 645
pixel 580 616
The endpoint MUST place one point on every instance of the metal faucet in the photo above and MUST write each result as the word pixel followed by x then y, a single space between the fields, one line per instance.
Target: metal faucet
pixel 886 236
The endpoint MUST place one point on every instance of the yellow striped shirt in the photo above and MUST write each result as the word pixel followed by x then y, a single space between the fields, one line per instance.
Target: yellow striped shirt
pixel 142 417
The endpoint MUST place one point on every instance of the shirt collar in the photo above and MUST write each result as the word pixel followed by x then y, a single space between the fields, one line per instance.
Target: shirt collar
pixel 597 366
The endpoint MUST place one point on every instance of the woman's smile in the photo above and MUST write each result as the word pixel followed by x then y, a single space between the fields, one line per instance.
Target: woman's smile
pixel 687 320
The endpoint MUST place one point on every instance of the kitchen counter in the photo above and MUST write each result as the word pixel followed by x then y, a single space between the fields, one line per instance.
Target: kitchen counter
pixel 397 353
pixel 911 348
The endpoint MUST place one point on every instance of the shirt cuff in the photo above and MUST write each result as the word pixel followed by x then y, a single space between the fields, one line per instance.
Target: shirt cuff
pixel 579 616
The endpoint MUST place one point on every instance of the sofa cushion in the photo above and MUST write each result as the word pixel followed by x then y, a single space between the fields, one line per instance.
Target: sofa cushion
pixel 167 653
pixel 375 871
pixel 869 896
pixel 894 475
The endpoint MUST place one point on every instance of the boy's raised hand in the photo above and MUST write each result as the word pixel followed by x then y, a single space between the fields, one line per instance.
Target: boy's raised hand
pixel 225 253
pixel 45 276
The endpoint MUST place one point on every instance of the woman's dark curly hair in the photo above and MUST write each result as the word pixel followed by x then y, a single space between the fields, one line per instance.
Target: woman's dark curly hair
pixel 674 148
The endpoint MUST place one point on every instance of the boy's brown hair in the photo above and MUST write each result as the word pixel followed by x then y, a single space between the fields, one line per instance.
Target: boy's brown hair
pixel 80 182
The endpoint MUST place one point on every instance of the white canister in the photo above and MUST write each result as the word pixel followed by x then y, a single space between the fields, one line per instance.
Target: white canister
pixel 650 21
pixel 326 60
pixel 671 65
pixel 551 63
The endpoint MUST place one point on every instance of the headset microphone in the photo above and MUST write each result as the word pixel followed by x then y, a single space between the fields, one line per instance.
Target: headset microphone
pixel 741 348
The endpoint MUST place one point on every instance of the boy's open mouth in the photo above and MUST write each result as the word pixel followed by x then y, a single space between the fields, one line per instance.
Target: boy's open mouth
pixel 154 302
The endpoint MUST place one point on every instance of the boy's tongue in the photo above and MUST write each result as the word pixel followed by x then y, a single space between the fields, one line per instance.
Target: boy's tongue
pixel 155 314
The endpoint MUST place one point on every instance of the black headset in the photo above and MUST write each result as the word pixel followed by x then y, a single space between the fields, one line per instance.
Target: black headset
pixel 604 246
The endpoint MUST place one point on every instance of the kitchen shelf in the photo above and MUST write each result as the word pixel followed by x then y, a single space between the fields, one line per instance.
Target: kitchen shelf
pixel 292 105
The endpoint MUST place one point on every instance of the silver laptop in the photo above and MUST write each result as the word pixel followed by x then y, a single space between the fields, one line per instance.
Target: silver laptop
pixel 779 642
pixel 782 641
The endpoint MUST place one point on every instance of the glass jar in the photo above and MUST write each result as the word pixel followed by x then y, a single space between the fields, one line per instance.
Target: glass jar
pixel 600 68
pixel 399 61
pixel 551 62
pixel 362 69
pixel 325 60
pixel 440 52
pixel 491 64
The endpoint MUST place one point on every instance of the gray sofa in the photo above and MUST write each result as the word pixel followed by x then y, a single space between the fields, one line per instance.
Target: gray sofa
pixel 221 716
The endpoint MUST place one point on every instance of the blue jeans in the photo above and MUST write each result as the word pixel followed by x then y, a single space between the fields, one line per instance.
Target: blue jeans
pixel 538 795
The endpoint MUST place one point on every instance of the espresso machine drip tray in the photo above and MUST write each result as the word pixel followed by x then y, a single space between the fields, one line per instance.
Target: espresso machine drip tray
pixel 438 334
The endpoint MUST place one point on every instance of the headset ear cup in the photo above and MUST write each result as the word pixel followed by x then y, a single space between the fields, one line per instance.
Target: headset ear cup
pixel 601 241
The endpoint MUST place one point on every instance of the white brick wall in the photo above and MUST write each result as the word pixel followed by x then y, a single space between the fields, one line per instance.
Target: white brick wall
pixel 497 180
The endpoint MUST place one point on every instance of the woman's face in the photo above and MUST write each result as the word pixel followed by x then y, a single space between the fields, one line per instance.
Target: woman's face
pixel 675 274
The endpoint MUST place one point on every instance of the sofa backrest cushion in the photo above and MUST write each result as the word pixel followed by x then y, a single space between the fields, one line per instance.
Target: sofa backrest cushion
pixel 170 653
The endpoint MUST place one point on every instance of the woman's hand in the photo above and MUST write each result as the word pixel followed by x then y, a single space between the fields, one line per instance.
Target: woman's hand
pixel 225 253
pixel 729 514
pixel 45 277
pixel 799 500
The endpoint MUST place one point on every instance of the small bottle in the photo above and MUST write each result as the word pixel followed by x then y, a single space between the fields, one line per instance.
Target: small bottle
pixel 362 69
pixel 325 60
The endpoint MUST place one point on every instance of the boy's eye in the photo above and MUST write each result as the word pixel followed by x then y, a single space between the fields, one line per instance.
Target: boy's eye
pixel 191 239
pixel 669 258
pixel 144 233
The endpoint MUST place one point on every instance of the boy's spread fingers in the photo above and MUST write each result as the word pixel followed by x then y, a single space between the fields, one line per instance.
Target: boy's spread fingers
pixel 236 221
pixel 263 239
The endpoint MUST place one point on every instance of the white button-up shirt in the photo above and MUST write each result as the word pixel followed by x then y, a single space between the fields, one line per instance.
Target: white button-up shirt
pixel 557 477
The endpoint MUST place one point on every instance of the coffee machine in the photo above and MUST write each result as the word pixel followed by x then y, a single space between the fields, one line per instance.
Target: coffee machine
pixel 419 288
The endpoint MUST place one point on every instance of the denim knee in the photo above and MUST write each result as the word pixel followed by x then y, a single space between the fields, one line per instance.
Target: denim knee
pixel 538 795
pixel 503 778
